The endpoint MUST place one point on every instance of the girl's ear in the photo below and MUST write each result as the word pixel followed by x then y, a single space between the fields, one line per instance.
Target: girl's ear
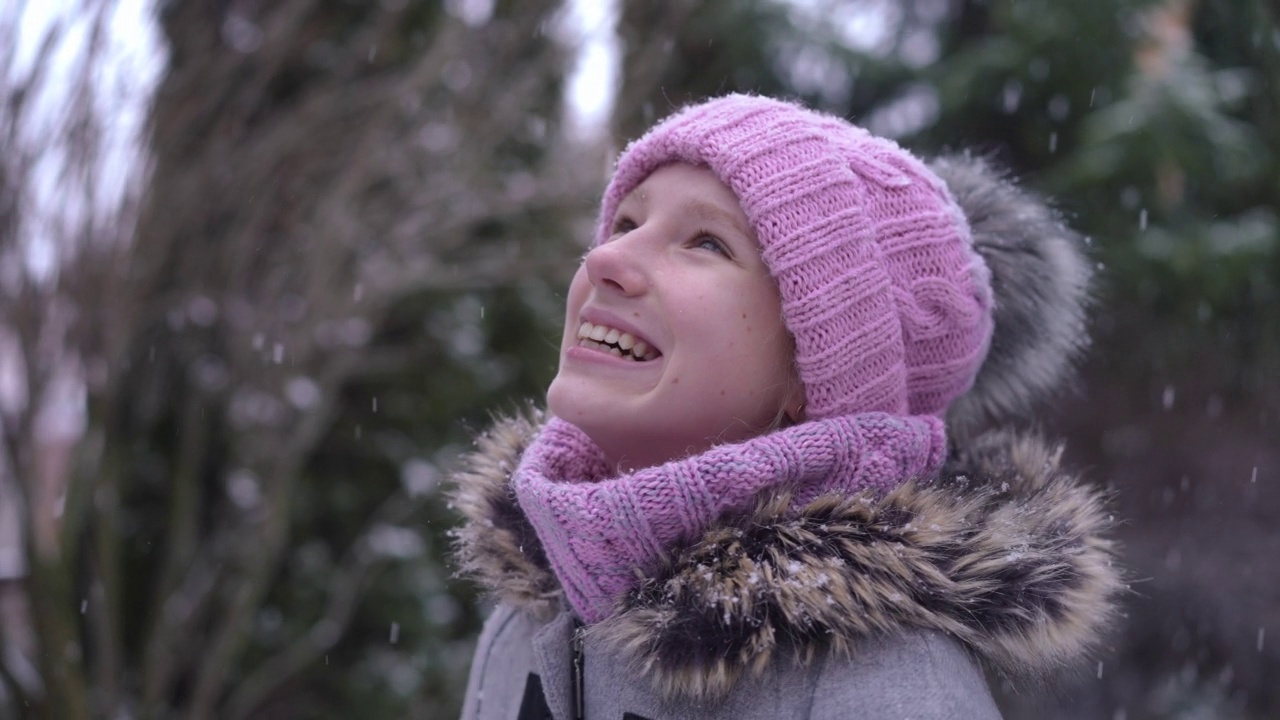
pixel 794 409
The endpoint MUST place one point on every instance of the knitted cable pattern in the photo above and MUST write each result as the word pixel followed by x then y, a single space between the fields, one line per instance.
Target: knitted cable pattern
pixel 598 530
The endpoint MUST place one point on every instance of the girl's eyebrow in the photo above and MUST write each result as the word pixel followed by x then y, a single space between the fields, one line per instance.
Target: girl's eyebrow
pixel 705 212
pixel 712 213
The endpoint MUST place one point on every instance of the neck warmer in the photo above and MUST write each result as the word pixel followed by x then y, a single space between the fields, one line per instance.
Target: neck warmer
pixel 598 531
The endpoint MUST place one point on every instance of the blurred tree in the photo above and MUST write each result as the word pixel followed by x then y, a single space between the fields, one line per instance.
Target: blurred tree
pixel 349 247
pixel 273 357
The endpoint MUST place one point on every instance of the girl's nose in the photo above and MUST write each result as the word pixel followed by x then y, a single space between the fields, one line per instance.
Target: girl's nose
pixel 618 266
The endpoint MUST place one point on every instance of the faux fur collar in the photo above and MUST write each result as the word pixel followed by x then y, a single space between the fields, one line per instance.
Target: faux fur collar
pixel 1003 551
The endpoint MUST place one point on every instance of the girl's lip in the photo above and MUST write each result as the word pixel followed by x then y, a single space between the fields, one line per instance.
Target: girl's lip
pixel 578 353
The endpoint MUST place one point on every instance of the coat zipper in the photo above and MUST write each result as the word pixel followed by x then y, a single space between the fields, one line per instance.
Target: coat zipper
pixel 579 684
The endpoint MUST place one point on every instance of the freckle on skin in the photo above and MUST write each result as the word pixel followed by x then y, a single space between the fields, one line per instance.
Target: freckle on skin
pixel 675 381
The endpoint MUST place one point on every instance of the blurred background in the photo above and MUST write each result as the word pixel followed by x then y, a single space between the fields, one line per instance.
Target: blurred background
pixel 266 266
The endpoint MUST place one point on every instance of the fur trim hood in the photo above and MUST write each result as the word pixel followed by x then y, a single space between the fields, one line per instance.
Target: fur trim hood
pixel 1003 551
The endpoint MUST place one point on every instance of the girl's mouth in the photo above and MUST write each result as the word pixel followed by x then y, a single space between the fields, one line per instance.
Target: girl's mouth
pixel 615 342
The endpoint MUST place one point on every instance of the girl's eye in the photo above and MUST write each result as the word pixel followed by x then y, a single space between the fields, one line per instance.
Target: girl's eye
pixel 710 242
pixel 622 225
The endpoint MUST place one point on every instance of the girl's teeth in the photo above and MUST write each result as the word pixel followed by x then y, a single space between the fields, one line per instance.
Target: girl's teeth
pixel 602 338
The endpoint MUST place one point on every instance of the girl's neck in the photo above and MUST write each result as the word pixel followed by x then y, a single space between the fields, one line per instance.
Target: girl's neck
pixel 637 452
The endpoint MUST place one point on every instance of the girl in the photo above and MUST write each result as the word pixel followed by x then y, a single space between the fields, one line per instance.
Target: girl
pixel 773 482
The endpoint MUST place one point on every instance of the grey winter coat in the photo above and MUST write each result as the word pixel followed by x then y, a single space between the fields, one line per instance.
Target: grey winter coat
pixel 860 607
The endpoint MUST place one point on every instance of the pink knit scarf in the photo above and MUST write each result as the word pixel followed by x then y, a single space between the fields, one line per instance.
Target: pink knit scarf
pixel 599 530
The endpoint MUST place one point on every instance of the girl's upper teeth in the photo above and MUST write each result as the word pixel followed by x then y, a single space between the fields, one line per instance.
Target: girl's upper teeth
pixel 613 336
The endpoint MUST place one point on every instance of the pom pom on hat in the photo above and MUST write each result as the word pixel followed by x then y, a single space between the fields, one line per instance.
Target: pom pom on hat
pixel 888 302
pixel 1041 279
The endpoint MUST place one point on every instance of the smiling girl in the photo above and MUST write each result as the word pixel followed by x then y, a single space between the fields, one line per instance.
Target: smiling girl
pixel 776 479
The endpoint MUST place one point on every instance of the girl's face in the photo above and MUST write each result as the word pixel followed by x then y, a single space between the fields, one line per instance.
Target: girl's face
pixel 673 338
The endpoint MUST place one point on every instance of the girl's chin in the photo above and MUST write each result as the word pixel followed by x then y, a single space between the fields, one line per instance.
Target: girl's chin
pixel 597 418
pixel 586 400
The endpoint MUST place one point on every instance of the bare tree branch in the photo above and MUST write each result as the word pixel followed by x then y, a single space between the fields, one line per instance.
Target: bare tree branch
pixel 360 561
pixel 306 178
pixel 180 548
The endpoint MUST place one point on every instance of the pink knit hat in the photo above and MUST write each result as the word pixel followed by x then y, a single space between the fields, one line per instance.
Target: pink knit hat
pixel 888 302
